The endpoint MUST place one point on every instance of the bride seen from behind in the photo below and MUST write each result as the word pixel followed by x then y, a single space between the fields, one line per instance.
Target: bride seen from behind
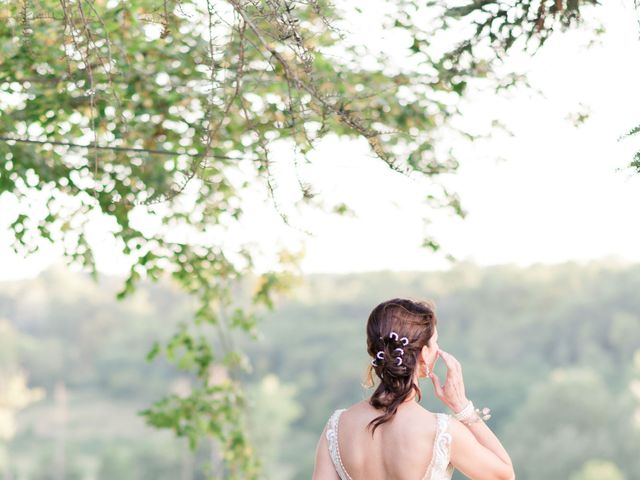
pixel 390 436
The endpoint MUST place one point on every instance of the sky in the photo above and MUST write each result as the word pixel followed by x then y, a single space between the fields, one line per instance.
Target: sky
pixel 552 192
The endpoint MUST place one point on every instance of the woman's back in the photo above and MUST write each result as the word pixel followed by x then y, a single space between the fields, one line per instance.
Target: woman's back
pixel 390 436
pixel 414 446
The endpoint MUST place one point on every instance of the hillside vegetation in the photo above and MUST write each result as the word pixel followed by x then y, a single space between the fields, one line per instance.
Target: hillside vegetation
pixel 550 349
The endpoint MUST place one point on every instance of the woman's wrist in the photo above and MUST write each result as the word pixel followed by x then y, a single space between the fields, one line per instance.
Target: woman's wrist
pixel 458 407
pixel 469 414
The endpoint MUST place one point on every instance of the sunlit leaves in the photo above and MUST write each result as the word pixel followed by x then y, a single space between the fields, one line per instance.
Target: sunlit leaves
pixel 170 110
pixel 205 411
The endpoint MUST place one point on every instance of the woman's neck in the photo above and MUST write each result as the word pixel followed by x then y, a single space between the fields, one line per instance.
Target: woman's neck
pixel 412 396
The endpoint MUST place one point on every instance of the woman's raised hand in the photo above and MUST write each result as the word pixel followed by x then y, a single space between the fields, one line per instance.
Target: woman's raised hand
pixel 452 392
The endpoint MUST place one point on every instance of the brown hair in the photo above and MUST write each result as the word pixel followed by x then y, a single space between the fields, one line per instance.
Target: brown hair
pixel 415 320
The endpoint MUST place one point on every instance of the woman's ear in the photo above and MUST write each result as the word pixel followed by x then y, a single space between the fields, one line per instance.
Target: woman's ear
pixel 424 354
pixel 424 360
pixel 429 355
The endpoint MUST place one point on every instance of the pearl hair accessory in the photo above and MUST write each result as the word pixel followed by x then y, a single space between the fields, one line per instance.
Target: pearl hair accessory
pixel 397 338
pixel 470 414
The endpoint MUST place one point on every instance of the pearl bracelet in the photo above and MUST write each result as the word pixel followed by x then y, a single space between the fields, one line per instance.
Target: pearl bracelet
pixel 470 414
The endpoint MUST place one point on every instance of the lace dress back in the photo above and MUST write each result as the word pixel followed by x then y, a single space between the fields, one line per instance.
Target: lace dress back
pixel 439 468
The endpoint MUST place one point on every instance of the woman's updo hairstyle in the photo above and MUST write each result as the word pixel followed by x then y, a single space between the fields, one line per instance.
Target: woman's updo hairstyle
pixel 388 323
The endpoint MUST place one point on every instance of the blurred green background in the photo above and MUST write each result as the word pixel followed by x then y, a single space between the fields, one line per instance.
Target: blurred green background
pixel 553 350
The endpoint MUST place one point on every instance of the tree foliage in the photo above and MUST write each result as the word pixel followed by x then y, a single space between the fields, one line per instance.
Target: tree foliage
pixel 498 27
pixel 170 111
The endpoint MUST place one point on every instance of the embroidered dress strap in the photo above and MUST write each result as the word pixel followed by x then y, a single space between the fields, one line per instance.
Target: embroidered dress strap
pixel 440 467
pixel 442 446
pixel 332 439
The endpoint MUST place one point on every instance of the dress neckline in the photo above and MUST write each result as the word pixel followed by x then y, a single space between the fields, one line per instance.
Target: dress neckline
pixel 339 412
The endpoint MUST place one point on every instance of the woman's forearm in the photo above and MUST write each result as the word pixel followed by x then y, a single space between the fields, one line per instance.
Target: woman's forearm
pixel 488 439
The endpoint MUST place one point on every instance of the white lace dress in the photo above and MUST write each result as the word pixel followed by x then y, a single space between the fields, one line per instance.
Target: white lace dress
pixel 439 468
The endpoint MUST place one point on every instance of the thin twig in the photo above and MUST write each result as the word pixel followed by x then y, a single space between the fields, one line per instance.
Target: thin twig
pixel 115 149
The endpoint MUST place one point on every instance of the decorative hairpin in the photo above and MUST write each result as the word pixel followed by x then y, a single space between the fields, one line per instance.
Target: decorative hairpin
pixel 379 356
pixel 396 337
pixel 399 351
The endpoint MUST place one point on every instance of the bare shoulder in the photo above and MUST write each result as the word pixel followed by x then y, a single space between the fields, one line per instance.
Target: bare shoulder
pixel 409 417
pixel 361 405
pixel 416 411
pixel 457 429
pixel 357 413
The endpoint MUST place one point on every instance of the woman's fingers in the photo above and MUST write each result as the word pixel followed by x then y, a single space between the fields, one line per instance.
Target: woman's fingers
pixel 450 361
pixel 453 389
pixel 446 357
